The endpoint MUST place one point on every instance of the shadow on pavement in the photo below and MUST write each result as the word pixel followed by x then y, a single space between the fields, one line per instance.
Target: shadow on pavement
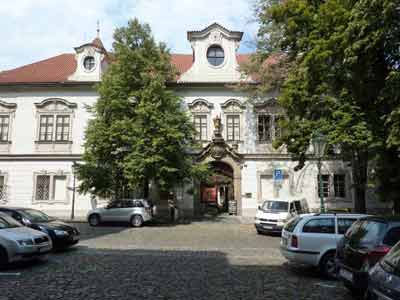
pixel 156 274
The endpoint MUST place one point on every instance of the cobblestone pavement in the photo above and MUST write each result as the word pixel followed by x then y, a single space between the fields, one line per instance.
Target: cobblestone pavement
pixel 194 261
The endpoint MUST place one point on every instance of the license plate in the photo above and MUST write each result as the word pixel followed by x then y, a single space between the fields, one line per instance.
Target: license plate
pixel 346 274
pixel 75 237
pixel 267 227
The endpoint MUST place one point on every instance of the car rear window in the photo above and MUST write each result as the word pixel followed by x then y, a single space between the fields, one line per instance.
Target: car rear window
pixel 367 233
pixel 291 224
pixel 393 258
pixel 322 225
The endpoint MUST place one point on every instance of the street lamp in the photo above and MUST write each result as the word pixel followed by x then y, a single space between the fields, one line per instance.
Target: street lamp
pixel 319 144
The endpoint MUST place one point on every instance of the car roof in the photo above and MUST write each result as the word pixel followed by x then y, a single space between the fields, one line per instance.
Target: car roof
pixel 388 219
pixel 10 208
pixel 340 215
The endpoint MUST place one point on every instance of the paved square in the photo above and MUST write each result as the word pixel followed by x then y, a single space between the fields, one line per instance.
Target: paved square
pixel 194 261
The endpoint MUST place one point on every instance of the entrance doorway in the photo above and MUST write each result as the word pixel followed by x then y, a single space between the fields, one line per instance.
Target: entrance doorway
pixel 217 191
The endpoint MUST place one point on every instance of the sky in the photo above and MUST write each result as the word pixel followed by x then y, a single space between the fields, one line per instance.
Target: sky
pixel 33 30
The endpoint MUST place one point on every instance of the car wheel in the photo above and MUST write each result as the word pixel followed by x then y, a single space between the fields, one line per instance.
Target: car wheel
pixel 136 221
pixel 3 256
pixel 328 265
pixel 94 220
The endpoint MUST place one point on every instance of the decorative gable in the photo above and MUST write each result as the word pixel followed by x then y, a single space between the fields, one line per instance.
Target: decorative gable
pixel 90 61
pixel 215 60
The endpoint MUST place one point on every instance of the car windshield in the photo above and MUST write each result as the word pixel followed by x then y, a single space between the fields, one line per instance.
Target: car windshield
pixel 36 216
pixel 8 222
pixel 275 206
pixel 393 257
pixel 366 234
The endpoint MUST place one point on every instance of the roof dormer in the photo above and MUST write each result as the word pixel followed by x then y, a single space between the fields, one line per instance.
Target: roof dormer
pixel 214 50
pixel 91 61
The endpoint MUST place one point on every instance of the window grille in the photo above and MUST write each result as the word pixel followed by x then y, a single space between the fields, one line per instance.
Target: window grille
pixel 42 187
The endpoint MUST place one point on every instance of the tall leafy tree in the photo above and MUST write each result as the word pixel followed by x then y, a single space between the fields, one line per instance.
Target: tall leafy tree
pixel 139 132
pixel 338 69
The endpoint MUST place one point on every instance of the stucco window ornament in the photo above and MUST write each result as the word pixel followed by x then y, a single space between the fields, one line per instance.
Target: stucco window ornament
pixel 54 124
pixel 201 111
pixel 7 116
pixel 233 116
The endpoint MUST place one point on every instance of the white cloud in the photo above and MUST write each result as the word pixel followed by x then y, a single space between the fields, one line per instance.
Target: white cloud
pixel 38 29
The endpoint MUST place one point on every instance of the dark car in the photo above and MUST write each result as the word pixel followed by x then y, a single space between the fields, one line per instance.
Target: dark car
pixel 62 235
pixel 365 243
pixel 384 278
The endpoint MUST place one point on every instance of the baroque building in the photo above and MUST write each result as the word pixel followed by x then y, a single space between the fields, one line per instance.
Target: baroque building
pixel 43 114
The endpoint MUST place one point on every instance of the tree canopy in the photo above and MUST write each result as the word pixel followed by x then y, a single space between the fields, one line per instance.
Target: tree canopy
pixel 139 132
pixel 338 71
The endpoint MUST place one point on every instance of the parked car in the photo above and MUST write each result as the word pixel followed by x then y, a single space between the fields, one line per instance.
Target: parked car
pixel 62 234
pixel 366 242
pixel 384 277
pixel 19 243
pixel 273 214
pixel 311 239
pixel 133 211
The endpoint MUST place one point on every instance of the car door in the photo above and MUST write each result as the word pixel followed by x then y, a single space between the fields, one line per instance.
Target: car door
pixel 126 211
pixel 318 235
pixel 111 212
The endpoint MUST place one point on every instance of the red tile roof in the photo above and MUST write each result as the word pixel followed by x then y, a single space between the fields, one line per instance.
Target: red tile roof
pixel 57 69
pixel 54 69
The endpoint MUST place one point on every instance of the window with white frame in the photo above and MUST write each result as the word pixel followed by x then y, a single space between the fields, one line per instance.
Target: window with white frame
pixel 200 124
pixel 264 128
pixel 51 187
pixel 337 181
pixel 268 127
pixel 232 110
pixel 201 113
pixel 233 127
pixel 7 115
pixel 50 131
pixel 4 127
pixel 55 120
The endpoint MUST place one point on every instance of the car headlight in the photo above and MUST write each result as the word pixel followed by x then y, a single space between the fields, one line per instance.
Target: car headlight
pixel 27 242
pixel 60 232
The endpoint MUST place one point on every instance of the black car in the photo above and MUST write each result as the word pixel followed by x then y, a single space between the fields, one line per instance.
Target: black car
pixel 384 278
pixel 62 235
pixel 364 244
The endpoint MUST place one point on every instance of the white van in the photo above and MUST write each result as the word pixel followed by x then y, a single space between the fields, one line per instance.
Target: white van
pixel 274 213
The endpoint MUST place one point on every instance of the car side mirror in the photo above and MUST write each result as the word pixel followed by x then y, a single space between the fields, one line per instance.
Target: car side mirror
pixel 26 222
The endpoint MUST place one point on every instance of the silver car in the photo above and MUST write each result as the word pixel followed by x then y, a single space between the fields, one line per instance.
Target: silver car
pixel 18 243
pixel 133 211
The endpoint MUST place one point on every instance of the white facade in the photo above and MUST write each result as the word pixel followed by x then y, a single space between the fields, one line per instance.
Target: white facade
pixel 29 162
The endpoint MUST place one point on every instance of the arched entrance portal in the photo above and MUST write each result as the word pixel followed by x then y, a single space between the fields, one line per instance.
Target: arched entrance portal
pixel 217 192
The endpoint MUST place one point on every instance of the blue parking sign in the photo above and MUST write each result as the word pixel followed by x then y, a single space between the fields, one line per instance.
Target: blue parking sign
pixel 278 175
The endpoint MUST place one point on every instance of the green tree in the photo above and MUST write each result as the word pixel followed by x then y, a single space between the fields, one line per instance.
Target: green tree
pixel 139 133
pixel 339 60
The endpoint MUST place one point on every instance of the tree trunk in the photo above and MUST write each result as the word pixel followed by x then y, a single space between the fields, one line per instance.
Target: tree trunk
pixel 146 189
pixel 396 207
pixel 360 171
